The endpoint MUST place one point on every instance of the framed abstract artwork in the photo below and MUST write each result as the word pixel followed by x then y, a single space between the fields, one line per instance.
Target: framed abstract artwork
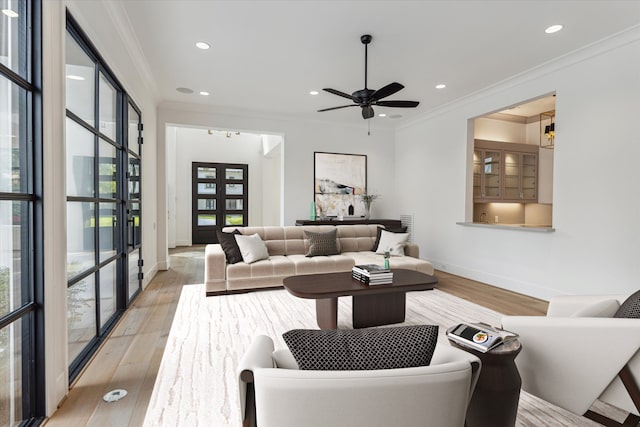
pixel 339 181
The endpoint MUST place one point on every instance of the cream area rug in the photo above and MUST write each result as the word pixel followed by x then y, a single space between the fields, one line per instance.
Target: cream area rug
pixel 197 382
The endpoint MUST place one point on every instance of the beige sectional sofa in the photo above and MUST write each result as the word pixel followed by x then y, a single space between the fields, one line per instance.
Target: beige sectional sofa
pixel 287 247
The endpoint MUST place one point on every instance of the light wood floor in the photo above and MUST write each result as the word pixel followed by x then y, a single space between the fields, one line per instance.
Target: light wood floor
pixel 129 359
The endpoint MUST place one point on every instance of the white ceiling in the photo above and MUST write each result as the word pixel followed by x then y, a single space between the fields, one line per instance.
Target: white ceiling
pixel 268 55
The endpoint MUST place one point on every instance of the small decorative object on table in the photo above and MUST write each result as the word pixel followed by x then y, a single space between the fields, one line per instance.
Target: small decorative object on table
pixel 368 199
pixel 386 259
pixel 312 212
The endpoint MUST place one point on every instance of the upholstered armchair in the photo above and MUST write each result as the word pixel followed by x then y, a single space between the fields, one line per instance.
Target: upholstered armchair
pixel 580 353
pixel 275 393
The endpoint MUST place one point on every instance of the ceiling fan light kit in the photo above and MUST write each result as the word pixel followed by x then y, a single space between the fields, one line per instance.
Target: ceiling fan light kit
pixel 366 98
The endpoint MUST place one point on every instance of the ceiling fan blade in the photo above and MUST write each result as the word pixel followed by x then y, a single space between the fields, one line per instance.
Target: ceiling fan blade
pixel 367 111
pixel 398 104
pixel 389 89
pixel 335 108
pixel 337 92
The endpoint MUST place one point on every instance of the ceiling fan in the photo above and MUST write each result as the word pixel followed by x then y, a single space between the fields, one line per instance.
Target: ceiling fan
pixel 366 98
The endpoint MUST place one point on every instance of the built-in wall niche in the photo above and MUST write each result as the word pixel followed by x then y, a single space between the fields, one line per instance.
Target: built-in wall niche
pixel 512 165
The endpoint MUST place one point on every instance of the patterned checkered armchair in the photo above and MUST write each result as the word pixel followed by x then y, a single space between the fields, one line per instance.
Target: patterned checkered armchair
pixel 275 393
pixel 586 348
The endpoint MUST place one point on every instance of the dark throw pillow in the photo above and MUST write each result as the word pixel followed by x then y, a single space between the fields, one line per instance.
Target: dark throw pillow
pixel 322 243
pixel 362 349
pixel 391 230
pixel 630 308
pixel 230 246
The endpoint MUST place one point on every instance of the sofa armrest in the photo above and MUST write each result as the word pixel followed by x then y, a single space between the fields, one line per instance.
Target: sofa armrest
pixel 215 268
pixel 570 361
pixel 258 355
pixel 412 250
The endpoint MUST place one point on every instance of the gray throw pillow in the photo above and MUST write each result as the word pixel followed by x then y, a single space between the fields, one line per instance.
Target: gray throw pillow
pixel 630 308
pixel 362 349
pixel 322 243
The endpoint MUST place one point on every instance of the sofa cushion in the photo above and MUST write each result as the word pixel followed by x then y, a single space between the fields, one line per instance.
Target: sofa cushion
pixel 604 308
pixel 390 230
pixel 230 246
pixel 322 243
pixel 392 242
pixel 252 248
pixel 362 349
pixel 630 308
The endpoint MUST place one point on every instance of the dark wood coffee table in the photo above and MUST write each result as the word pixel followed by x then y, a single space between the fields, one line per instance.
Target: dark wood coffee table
pixel 372 305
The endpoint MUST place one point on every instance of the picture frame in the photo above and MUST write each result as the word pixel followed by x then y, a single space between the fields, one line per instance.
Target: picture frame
pixel 339 181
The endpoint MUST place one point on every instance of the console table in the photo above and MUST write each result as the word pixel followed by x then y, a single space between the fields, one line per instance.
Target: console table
pixel 388 223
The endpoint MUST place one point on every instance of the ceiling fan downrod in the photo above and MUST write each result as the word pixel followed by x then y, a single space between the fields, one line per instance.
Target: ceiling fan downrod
pixel 365 39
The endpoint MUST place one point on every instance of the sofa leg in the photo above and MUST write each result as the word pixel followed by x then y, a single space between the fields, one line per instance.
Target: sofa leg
pixel 250 407
pixel 632 420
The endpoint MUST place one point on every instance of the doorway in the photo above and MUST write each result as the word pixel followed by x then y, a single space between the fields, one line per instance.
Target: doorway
pixel 219 199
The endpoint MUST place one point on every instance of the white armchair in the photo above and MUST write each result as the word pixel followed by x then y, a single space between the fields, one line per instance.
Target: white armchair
pixel 579 353
pixel 273 392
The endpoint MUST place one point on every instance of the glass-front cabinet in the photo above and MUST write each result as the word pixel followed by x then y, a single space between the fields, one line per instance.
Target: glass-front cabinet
pixel 487 166
pixel 520 176
pixel 505 172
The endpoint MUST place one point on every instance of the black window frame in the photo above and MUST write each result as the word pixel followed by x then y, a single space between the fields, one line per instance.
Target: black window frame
pixel 31 312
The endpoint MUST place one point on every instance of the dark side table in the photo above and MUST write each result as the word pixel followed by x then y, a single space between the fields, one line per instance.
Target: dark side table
pixel 495 399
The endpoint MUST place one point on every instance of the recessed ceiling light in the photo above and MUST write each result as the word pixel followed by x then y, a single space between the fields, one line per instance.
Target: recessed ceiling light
pixel 382 115
pixel 74 77
pixel 203 45
pixel 313 92
pixel 203 93
pixel 10 13
pixel 184 90
pixel 553 29
pixel 441 86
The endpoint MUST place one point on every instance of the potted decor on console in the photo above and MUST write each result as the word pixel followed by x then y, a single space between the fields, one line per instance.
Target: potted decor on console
pixel 368 199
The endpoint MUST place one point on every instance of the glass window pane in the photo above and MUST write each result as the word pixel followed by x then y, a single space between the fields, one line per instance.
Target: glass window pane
pixel 134 119
pixel 81 315
pixel 80 237
pixel 80 155
pixel 207 188
pixel 11 369
pixel 134 177
pixel 233 219
pixel 204 220
pixel 107 109
pixel 12 241
pixel 13 155
pixel 206 204
pixel 207 173
pixel 134 283
pixel 235 189
pixel 107 234
pixel 233 204
pixel 133 226
pixel 79 82
pixel 234 174
pixel 13 39
pixel 107 170
pixel 107 292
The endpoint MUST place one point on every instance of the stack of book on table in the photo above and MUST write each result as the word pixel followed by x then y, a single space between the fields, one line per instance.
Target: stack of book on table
pixel 372 274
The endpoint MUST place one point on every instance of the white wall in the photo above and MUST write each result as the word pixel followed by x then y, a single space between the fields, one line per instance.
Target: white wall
pixel 593 250
pixel 301 139
pixel 272 184
pixel 107 29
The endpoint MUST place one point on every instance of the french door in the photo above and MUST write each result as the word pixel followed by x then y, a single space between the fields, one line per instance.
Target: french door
pixel 103 165
pixel 219 199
